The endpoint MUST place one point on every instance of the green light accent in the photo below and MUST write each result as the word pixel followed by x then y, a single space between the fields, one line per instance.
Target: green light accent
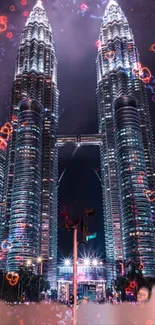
pixel 91 236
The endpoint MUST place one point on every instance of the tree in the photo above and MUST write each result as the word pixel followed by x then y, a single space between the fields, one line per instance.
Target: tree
pixel 28 287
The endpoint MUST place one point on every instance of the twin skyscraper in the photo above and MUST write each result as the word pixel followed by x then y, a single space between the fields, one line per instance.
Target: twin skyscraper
pixel 29 221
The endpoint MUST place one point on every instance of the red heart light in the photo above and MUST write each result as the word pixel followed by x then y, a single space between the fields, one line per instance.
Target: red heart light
pixel 110 55
pixel 127 290
pixel 149 193
pixel 3 23
pixel 147 78
pixel 152 48
pixel 133 284
pixel 142 295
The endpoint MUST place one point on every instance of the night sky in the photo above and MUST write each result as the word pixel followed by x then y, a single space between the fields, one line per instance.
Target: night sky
pixel 75 36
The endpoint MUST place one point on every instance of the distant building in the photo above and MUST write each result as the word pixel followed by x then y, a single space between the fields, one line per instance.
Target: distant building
pixel 91 279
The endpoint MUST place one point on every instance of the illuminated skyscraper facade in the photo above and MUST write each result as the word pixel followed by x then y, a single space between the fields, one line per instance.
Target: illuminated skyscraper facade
pixel 136 215
pixel 36 79
pixel 2 203
pixel 25 217
pixel 118 74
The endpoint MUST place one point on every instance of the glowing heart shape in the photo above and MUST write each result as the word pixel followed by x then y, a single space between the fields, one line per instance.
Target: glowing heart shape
pixel 145 79
pixel 110 55
pixel 127 290
pixel 132 284
pixel 12 8
pixel 7 128
pixel 3 23
pixel 149 193
pixel 152 48
pixel 6 245
pixel 142 295
pixel 13 278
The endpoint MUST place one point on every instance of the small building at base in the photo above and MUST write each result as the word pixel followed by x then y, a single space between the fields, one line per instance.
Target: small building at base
pixel 91 283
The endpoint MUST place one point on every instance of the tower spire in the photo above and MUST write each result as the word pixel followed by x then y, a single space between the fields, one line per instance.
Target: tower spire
pixel 39 4
pixel 111 2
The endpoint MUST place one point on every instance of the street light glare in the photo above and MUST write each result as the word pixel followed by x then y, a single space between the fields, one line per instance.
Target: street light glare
pixel 86 261
pixel 29 262
pixel 39 259
pixel 67 262
pixel 95 262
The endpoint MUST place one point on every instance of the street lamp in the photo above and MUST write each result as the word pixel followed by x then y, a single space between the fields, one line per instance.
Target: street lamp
pixel 95 262
pixel 40 261
pixel 86 261
pixel 67 262
pixel 29 262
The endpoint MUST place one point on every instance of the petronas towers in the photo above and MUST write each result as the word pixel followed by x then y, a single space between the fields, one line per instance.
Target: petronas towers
pixel 30 219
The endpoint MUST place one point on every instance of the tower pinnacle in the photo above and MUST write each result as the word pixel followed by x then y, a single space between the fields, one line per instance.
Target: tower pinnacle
pixel 111 2
pixel 39 4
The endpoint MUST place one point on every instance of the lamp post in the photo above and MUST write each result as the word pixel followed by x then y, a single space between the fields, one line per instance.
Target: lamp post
pixel 72 225
pixel 40 261
pixel 75 276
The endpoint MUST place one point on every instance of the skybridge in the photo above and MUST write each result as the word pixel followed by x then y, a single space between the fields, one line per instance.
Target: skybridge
pixel 80 140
